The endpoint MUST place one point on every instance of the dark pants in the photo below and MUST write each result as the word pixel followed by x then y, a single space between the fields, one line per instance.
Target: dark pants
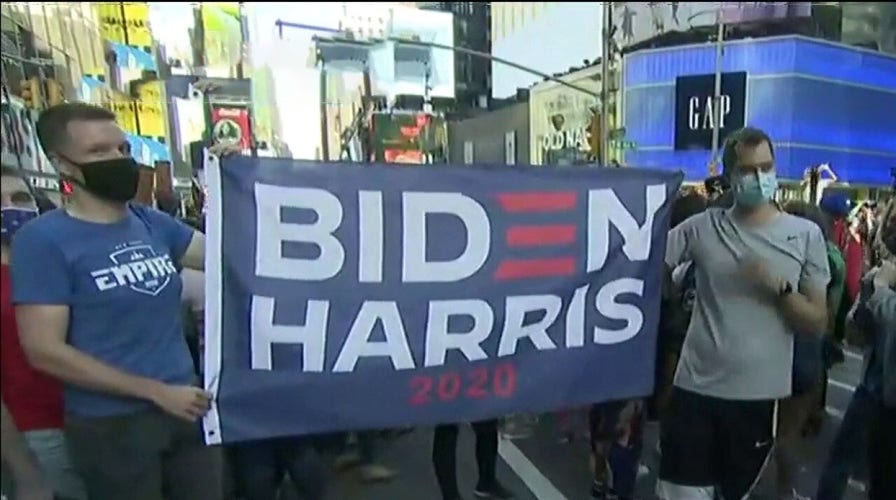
pixel 262 465
pixel 882 454
pixel 444 455
pixel 144 456
pixel 847 453
pixel 617 438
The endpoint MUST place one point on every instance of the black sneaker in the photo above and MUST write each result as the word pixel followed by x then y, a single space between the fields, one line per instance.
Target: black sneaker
pixel 494 491
pixel 601 491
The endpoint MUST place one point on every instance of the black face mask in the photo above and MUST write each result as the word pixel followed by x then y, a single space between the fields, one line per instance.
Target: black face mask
pixel 111 180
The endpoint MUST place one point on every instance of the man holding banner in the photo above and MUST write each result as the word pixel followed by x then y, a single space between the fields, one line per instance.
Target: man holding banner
pixel 98 304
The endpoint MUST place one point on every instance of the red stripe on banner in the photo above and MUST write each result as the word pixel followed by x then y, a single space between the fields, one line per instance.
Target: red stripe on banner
pixel 547 201
pixel 515 269
pixel 534 236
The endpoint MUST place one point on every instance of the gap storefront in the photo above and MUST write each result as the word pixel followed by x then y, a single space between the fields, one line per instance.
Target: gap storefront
pixel 820 102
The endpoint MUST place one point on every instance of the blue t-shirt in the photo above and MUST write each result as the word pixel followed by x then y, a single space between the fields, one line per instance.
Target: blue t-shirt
pixel 122 284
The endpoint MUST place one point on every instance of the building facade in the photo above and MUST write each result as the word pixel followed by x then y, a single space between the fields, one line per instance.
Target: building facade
pixel 820 102
pixel 472 30
pixel 500 136
pixel 561 119
pixel 55 44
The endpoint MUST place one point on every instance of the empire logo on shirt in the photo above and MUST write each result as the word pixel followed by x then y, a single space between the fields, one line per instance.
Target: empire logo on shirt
pixel 137 267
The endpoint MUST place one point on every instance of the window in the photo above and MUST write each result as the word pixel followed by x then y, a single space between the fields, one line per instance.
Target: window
pixel 468 152
pixel 510 148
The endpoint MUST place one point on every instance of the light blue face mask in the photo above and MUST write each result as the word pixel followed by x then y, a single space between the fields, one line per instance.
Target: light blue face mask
pixel 752 190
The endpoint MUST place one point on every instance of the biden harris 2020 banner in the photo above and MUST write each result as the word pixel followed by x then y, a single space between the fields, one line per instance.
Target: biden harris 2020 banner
pixel 346 297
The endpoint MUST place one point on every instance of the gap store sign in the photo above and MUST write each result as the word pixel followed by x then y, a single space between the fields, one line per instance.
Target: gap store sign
pixel 820 102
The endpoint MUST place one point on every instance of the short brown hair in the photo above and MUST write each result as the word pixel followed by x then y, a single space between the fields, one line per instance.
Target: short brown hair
pixel 52 124
pixel 747 136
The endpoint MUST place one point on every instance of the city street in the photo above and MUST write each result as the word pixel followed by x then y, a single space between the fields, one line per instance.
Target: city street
pixel 544 468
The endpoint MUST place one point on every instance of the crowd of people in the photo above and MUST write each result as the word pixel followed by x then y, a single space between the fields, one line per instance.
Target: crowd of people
pixel 102 343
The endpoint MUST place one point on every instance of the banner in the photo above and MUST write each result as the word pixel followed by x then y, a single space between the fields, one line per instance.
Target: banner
pixel 343 297
pixel 230 125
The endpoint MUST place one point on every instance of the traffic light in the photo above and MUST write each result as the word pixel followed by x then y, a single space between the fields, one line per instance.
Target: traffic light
pixel 594 135
pixel 55 92
pixel 30 92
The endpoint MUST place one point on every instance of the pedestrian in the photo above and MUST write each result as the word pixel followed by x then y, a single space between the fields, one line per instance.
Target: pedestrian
pixel 875 316
pixel 617 438
pixel 676 307
pixel 444 461
pixel 34 446
pixel 761 275
pixel 848 455
pixel 809 367
pixel 99 307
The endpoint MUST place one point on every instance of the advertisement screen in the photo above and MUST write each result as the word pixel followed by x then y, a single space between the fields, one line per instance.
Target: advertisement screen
pixel 408 137
pixel 230 125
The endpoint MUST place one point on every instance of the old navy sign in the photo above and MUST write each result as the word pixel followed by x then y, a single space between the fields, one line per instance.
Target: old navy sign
pixel 342 297
pixel 695 112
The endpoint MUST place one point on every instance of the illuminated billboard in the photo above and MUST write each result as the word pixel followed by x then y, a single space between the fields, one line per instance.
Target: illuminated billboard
pixel 820 102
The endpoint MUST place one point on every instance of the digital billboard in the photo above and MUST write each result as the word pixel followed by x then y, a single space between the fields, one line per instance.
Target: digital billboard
pixel 820 102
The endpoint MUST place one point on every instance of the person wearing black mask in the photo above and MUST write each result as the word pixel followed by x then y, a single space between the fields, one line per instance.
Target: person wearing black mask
pixel 98 304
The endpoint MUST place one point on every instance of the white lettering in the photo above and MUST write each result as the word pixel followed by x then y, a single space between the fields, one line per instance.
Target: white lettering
pixel 575 318
pixel 607 305
pixel 515 328
pixel 439 340
pixel 312 336
pixel 415 266
pixel 703 117
pixel 370 236
pixel 134 273
pixel 575 138
pixel 358 345
pixel 272 233
pixel 604 209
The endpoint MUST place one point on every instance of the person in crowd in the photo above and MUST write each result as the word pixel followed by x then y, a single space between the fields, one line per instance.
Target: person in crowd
pixel 677 306
pixel 98 305
pixel 34 447
pixel 444 461
pixel 363 455
pixel 808 364
pixel 847 454
pixel 875 320
pixel 849 240
pixel 761 275
pixel 617 439
pixel 261 467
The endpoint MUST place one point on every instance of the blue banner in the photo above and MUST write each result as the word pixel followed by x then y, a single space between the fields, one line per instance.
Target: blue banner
pixel 343 297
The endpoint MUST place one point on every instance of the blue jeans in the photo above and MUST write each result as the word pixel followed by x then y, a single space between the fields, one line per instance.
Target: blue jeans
pixel 262 465
pixel 848 452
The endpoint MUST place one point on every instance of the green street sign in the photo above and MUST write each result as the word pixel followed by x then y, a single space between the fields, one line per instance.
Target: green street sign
pixel 622 144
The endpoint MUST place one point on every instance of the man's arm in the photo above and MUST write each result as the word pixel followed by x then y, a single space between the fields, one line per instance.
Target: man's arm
pixel 42 331
pixel 806 308
pixel 194 256
pixel 678 251
pixel 18 457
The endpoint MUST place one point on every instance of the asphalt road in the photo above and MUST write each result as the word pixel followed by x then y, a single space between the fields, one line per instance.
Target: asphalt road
pixel 541 467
